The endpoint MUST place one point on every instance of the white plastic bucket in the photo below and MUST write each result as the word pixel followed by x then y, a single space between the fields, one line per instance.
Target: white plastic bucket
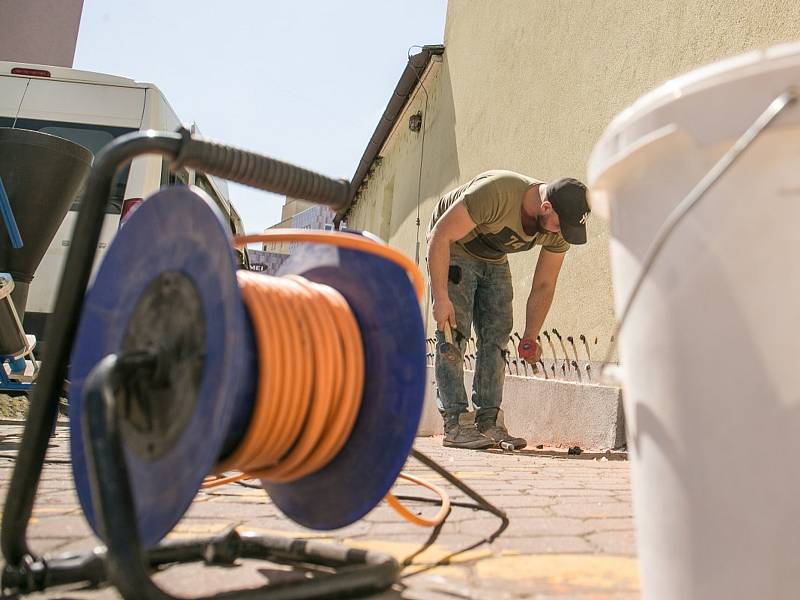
pixel 711 350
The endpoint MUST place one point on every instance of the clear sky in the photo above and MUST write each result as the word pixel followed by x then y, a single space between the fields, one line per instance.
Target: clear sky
pixel 304 81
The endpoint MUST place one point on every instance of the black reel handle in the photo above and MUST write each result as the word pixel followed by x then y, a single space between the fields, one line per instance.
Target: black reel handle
pixel 262 172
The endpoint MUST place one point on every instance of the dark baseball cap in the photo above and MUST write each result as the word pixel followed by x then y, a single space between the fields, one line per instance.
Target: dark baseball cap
pixel 568 197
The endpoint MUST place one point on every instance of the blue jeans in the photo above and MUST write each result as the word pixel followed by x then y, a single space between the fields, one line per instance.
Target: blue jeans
pixel 482 295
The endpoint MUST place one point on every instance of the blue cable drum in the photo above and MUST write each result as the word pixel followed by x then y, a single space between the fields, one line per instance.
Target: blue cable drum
pixel 174 251
pixel 171 262
pixel 386 308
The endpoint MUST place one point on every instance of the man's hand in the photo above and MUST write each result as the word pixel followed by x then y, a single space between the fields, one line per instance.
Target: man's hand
pixel 529 350
pixel 542 290
pixel 444 312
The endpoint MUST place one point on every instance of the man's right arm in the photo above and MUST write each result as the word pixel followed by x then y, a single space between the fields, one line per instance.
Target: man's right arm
pixel 453 225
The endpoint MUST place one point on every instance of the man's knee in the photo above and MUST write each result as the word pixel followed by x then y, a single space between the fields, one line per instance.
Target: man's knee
pixel 496 332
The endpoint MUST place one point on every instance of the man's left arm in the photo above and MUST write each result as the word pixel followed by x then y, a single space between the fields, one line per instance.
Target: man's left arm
pixel 543 288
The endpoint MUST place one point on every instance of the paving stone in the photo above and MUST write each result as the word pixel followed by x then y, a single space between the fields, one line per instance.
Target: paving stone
pixel 55 497
pixel 554 484
pixel 234 490
pixel 202 527
pixel 545 545
pixel 75 545
pixel 44 510
pixel 225 509
pixel 527 511
pixel 592 510
pixel 187 580
pixel 504 502
pixel 448 583
pixel 399 526
pixel 613 524
pixel 386 514
pixel 48 545
pixel 558 573
pixel 507 488
pixel 483 526
pixel 593 595
pixel 582 500
pixel 285 526
pixel 547 526
pixel 69 526
pixel 614 542
pixel 615 487
pixel 571 493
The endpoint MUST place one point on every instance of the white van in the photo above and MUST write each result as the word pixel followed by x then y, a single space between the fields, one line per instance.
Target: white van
pixel 92 109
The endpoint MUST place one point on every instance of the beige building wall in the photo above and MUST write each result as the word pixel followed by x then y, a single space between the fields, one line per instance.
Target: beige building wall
pixel 39 31
pixel 530 85
pixel 291 207
pixel 298 214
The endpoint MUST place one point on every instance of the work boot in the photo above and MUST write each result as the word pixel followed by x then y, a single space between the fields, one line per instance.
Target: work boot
pixel 499 435
pixel 457 435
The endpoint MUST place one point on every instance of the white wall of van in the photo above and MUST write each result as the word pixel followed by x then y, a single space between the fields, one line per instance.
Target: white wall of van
pixel 92 109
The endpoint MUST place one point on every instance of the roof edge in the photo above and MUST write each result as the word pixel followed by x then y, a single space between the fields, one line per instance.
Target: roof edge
pixel 68 74
pixel 408 82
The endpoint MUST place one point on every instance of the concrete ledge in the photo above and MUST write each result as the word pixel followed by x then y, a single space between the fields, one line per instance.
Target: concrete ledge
pixel 550 412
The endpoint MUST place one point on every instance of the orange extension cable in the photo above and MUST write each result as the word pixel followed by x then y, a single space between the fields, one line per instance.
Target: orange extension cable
pixel 302 417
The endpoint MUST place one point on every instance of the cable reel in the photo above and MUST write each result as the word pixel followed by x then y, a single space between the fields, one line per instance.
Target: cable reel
pixel 227 370
pixel 182 367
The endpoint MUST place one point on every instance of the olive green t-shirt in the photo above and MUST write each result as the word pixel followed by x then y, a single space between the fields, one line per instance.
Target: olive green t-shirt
pixel 494 201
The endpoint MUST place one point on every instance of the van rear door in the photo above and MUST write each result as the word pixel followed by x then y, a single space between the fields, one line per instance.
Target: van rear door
pixel 12 89
pixel 78 102
pixel 91 114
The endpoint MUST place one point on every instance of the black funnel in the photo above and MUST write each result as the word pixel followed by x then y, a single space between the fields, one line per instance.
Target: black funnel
pixel 42 174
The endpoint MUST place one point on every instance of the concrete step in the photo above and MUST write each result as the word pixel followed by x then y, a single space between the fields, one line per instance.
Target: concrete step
pixel 550 412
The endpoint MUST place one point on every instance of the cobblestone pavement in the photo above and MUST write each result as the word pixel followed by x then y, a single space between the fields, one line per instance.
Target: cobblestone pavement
pixel 571 533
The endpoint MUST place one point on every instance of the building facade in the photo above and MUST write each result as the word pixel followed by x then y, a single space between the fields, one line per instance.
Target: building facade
pixel 530 85
pixel 295 214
